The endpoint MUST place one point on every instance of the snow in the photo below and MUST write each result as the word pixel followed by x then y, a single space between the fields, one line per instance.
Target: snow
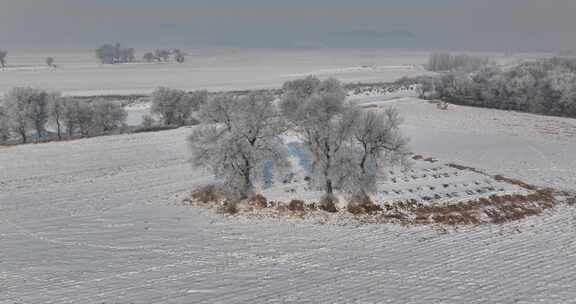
pixel 100 221
pixel 79 74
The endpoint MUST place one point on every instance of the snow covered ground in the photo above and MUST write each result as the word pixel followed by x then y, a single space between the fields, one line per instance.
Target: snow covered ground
pixel 100 221
pixel 78 73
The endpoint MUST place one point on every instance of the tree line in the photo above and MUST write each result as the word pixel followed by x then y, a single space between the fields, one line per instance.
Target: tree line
pixel 27 112
pixel 545 86
pixel 239 136
pixel 441 62
pixel 114 53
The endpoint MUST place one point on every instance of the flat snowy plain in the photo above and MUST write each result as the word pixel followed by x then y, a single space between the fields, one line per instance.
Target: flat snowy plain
pixel 100 221
pixel 78 72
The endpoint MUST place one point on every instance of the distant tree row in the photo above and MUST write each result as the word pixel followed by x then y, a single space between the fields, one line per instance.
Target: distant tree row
pixel 27 113
pixel 161 55
pixel 115 53
pixel 546 86
pixel 441 62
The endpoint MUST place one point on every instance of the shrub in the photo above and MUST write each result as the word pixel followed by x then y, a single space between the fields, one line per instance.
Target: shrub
pixel 296 205
pixel 229 207
pixel 328 203
pixel 206 194
pixel 259 201
pixel 361 203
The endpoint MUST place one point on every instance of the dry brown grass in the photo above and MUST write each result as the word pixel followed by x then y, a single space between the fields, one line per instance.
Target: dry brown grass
pixel 258 201
pixel 361 203
pixel 462 168
pixel 516 182
pixel 229 207
pixel 206 194
pixel 497 208
pixel 296 205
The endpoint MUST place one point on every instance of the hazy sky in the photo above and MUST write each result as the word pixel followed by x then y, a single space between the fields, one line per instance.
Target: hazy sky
pixel 456 24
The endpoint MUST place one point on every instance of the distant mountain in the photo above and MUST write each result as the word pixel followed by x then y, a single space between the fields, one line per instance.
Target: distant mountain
pixel 371 38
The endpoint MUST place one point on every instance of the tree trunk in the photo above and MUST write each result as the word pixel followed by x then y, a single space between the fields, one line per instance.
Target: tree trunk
pixel 58 128
pixel 24 138
pixel 38 130
pixel 329 188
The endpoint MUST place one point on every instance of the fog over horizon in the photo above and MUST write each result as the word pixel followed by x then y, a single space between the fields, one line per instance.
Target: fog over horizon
pixel 490 25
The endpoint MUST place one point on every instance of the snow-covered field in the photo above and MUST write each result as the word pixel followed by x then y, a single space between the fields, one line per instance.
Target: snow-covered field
pixel 100 221
pixel 78 73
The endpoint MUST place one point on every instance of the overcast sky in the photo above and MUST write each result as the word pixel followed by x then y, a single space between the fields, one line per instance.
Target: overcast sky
pixel 453 24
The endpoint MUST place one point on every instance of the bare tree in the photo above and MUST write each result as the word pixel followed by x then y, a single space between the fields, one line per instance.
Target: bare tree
pixel 85 118
pixel 106 54
pixel 114 53
pixel 376 141
pixel 50 62
pixel 108 115
pixel 238 138
pixel 179 56
pixel 345 142
pixel 28 108
pixel 56 110
pixel 3 55
pixel 176 106
pixel 4 125
pixel 162 55
pixel 149 57
pixel 318 109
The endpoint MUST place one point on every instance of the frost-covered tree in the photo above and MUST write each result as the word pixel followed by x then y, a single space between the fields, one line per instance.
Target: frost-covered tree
pixel 175 107
pixel 108 115
pixel 3 55
pixel 4 124
pixel 346 143
pixel 28 109
pixel 318 109
pixel 376 142
pixel 57 108
pixel 85 118
pixel 238 138
pixel 147 122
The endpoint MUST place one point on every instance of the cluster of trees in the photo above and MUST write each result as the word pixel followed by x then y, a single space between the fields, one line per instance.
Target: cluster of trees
pixel 176 107
pixel 546 86
pixel 348 146
pixel 25 111
pixel 164 55
pixel 114 53
pixel 441 62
